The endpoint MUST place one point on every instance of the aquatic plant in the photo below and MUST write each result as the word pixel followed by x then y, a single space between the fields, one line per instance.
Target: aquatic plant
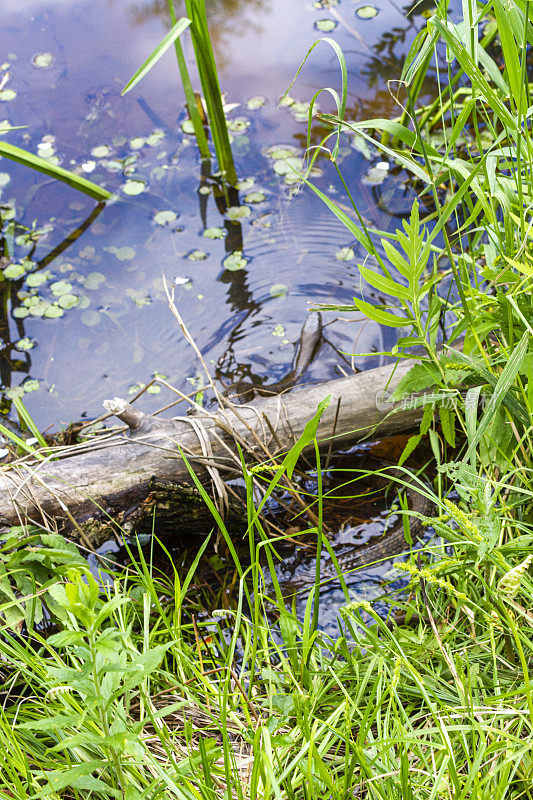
pixel 38 164
pixel 196 22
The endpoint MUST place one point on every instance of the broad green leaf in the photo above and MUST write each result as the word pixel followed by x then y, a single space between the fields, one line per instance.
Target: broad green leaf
pixel 382 317
pixel 383 284
pixel 308 435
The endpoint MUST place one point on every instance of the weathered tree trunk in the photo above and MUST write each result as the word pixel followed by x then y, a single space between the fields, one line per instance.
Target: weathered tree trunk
pixel 114 472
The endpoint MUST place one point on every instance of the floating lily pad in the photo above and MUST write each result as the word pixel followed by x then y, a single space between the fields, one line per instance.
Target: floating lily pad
pixel 25 344
pixel 179 280
pixel 187 126
pixel 137 142
pixel 255 197
pixel 42 60
pixel 93 280
pixel 122 253
pixel 215 233
pixel 204 190
pixel 101 151
pixel 236 213
pixel 155 137
pixel 235 261
pixel 83 301
pixel 375 175
pixel 90 318
pixel 281 151
pixel 14 271
pixel 68 301
pixel 20 312
pixel 197 255
pixel 155 388
pixel 88 166
pixel 165 217
pixel 59 288
pixel 238 125
pixel 31 385
pixel 133 187
pixel 345 254
pixel 38 278
pixel 288 166
pixel 39 308
pixel 367 12
pixel 255 102
pixel 245 184
pixel 278 290
pixel 53 312
pixel 4 179
pixel 7 94
pixel 325 25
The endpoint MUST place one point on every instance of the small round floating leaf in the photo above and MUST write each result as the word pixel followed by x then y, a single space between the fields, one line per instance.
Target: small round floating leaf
pixel 59 288
pixel 83 301
pixel 187 126
pixel 93 280
pixel 345 254
pixel 122 253
pixel 287 166
pixel 137 142
pixel 7 94
pixel 279 151
pixel 238 124
pixel 42 60
pixel 101 151
pixel 53 312
pixel 88 166
pixel 68 301
pixel 197 255
pixel 235 261
pixel 90 318
pixel 375 176
pixel 4 179
pixel 255 197
pixel 39 309
pixel 236 213
pixel 245 184
pixel 155 388
pixel 278 290
pixel 25 344
pixel 133 187
pixel 215 233
pixel 180 280
pixel 31 385
pixel 325 25
pixel 14 271
pixel 255 102
pixel 155 137
pixel 165 217
pixel 367 12
pixel 20 312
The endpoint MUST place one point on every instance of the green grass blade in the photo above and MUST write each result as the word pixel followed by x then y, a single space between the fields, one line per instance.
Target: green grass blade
pixel 176 31
pixel 27 159
pixel 25 417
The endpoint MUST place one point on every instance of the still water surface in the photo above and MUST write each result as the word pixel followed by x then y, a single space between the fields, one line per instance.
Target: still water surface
pixel 120 331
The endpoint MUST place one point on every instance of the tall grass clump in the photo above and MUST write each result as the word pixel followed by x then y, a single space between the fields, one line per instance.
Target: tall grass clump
pixel 196 23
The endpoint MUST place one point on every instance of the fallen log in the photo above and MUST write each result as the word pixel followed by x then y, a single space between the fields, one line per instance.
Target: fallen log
pixel 112 471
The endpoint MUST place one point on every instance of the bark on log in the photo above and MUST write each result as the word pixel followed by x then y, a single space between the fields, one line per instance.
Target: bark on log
pixel 113 472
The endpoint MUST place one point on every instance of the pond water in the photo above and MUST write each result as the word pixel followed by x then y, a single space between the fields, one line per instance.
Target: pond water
pixel 66 62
